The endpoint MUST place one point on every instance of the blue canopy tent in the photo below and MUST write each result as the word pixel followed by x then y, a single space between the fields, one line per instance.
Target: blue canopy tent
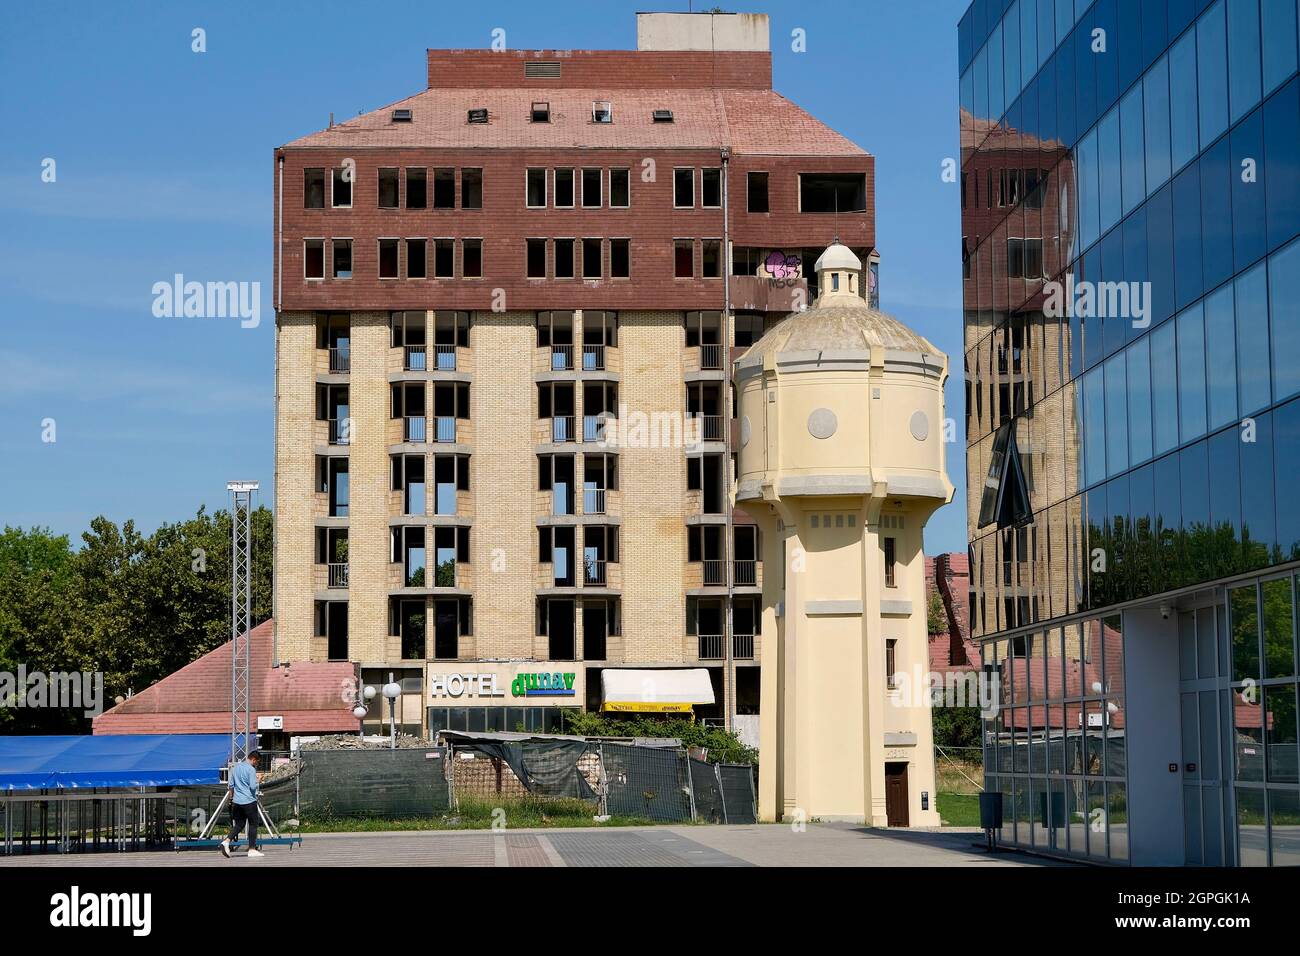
pixel 126 760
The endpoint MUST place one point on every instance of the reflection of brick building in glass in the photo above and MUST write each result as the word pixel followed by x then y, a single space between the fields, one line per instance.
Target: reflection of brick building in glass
pixel 1128 462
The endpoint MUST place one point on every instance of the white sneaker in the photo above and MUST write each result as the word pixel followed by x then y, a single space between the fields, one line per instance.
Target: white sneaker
pixel 255 854
pixel 225 848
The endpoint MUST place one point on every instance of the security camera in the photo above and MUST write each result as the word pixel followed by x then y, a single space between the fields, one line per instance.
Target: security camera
pixel 1165 611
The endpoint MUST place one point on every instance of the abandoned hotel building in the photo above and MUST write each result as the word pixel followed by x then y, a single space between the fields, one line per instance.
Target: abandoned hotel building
pixel 484 293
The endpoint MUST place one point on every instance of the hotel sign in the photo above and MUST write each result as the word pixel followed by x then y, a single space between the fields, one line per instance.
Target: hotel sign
pixel 487 683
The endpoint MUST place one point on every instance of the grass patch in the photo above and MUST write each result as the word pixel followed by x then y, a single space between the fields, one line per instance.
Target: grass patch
pixel 959 809
pixel 479 814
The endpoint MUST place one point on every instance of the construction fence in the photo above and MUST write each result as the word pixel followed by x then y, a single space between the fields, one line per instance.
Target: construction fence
pixel 658 783
pixel 79 821
pixel 630 780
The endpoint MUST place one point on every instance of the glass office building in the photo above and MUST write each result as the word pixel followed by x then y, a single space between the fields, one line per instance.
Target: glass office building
pixel 1130 189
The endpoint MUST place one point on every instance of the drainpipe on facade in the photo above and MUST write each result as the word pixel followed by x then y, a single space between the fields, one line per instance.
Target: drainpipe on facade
pixel 275 428
pixel 728 549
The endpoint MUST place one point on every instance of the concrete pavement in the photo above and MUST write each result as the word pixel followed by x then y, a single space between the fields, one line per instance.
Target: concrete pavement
pixel 754 845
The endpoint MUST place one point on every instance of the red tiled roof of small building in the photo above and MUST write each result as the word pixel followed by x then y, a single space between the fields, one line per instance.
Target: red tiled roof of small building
pixel 196 698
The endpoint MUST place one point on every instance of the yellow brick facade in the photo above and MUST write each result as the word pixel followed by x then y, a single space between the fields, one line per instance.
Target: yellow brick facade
pixel 503 507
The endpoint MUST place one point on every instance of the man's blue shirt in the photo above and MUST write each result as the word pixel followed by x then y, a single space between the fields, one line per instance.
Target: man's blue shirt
pixel 243 779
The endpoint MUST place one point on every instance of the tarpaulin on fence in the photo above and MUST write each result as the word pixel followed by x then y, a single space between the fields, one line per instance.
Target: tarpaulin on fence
pixel 547 768
pixel 112 760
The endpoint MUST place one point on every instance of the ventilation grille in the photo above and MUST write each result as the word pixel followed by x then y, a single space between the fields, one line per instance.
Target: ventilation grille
pixel 542 69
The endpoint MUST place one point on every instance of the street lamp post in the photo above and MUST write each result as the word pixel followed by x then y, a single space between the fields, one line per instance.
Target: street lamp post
pixel 391 691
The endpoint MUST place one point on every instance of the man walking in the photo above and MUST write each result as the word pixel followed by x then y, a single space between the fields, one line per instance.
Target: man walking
pixel 243 805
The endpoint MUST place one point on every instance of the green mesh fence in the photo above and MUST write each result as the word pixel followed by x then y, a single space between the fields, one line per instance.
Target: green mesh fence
pixel 647 783
pixel 381 783
pixel 738 792
pixel 708 792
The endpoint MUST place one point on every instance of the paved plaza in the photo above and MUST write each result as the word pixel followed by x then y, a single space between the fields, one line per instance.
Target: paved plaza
pixel 756 845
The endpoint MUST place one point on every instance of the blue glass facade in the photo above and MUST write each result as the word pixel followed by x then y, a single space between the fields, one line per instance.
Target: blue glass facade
pixel 1131 264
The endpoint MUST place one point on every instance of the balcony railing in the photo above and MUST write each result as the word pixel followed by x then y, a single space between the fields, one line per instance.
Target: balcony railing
pixel 593 501
pixel 593 427
pixel 714 572
pixel 413 429
pixel 593 358
pixel 746 572
pixel 742 646
pixel 710 427
pixel 561 358
pixel 711 647
pixel 593 572
pixel 446 358
pixel 338 575
pixel 340 431
pixel 446 429
pixel 562 428
pixel 340 359
pixel 711 356
pixel 414 359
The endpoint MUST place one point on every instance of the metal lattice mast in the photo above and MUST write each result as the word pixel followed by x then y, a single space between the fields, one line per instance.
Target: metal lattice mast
pixel 241 612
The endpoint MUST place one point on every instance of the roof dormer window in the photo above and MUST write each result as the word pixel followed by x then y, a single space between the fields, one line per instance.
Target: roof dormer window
pixel 601 112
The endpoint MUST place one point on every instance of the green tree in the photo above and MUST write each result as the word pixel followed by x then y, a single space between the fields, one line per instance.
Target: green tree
pixel 956 726
pixel 133 607
pixel 722 745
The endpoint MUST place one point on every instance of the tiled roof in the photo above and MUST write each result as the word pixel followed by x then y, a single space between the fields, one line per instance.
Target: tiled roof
pixel 196 698
pixel 754 122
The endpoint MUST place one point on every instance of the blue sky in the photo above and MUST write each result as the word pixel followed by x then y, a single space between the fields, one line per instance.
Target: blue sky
pixel 164 165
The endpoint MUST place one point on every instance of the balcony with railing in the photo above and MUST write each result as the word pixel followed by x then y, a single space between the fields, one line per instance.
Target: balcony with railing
pixel 414 428
pixel 711 647
pixel 561 429
pixel 338 431
pixel 593 358
pixel 340 359
pixel 594 426
pixel 742 647
pixel 338 575
pixel 595 501
pixel 559 358
pixel 709 427
pixel 707 357
pixel 415 358
pixel 745 573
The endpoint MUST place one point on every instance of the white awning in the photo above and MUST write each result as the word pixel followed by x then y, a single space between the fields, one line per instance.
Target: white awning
pixel 661 690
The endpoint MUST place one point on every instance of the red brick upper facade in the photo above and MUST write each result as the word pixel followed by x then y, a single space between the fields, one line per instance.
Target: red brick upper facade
pixel 720 102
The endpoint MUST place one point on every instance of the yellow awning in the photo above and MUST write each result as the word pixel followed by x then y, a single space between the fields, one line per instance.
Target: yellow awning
pixel 656 707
